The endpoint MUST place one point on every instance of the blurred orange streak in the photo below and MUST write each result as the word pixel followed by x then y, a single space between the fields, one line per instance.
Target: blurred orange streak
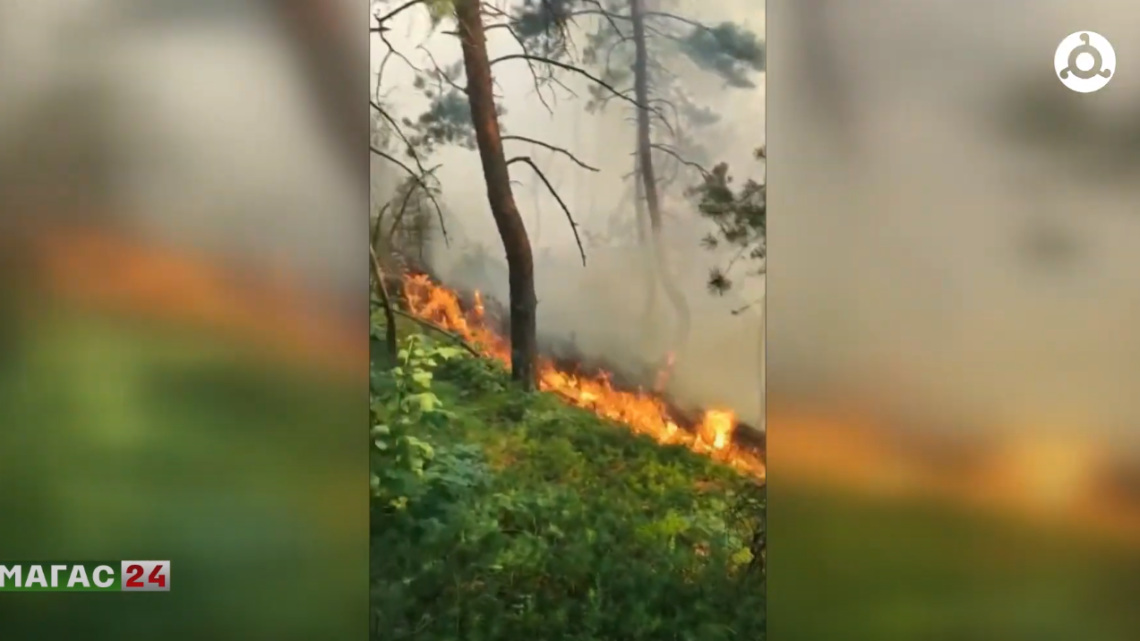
pixel 1055 484
pixel 112 273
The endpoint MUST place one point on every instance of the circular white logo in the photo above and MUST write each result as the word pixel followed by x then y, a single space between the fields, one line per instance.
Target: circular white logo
pixel 1085 61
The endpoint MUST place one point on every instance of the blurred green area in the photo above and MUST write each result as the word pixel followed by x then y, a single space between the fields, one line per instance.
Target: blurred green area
pixel 844 567
pixel 125 439
pixel 499 515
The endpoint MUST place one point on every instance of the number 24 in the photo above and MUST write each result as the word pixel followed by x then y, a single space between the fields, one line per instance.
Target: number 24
pixel 135 572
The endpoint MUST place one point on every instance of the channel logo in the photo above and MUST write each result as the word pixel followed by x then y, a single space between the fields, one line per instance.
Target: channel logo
pixel 85 576
pixel 1085 61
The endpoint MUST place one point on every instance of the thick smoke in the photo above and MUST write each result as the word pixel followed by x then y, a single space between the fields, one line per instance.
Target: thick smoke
pixel 961 256
pixel 600 306
pixel 191 124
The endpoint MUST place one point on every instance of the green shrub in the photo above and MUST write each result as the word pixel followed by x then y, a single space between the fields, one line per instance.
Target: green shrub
pixel 500 516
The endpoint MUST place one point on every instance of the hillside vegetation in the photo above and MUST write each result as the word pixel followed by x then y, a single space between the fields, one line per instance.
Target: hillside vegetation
pixel 498 514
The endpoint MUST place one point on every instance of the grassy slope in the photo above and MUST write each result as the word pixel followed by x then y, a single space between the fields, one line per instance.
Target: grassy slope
pixel 545 522
pixel 845 568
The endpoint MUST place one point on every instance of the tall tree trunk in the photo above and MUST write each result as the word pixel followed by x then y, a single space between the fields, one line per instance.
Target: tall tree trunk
pixel 641 93
pixel 649 315
pixel 649 177
pixel 643 223
pixel 520 261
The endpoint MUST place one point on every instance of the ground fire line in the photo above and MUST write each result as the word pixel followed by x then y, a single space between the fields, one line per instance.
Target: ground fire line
pixel 712 434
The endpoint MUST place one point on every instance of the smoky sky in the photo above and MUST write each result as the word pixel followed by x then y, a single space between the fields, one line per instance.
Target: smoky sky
pixel 954 234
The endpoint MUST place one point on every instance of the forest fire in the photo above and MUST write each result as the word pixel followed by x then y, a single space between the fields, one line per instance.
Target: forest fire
pixel 642 412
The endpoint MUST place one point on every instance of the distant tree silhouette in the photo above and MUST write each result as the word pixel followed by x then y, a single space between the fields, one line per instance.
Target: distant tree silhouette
pixel 644 47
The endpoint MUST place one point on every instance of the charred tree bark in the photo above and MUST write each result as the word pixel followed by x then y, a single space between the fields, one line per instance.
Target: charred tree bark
pixel 648 176
pixel 520 260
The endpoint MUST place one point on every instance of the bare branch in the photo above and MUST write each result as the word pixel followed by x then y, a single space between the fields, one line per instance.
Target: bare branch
pixel 380 75
pixel 578 70
pixel 565 43
pixel 396 128
pixel 399 218
pixel 601 11
pixel 620 40
pixel 386 302
pixel 660 116
pixel 379 223
pixel 740 310
pixel 411 150
pixel 654 31
pixel 392 49
pixel 533 69
pixel 536 194
pixel 421 182
pixel 459 340
pixel 553 148
pixel 684 161
pixel 440 76
pixel 554 192
pixel 736 257
pixel 667 182
pixel 670 16
pixel 610 16
pixel 381 19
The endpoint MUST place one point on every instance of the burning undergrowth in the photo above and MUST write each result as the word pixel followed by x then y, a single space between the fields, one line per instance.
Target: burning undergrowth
pixel 589 383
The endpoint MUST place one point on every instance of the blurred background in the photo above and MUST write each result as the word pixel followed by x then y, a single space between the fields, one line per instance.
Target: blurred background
pixel 183 340
pixel 951 358
pixel 952 371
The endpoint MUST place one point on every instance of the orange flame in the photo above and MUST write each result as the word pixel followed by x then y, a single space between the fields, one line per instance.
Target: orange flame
pixel 665 373
pixel 642 412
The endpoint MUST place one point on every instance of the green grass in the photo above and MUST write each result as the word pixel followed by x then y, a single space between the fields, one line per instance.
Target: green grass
pixel 894 571
pixel 533 520
pixel 567 527
pixel 125 437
